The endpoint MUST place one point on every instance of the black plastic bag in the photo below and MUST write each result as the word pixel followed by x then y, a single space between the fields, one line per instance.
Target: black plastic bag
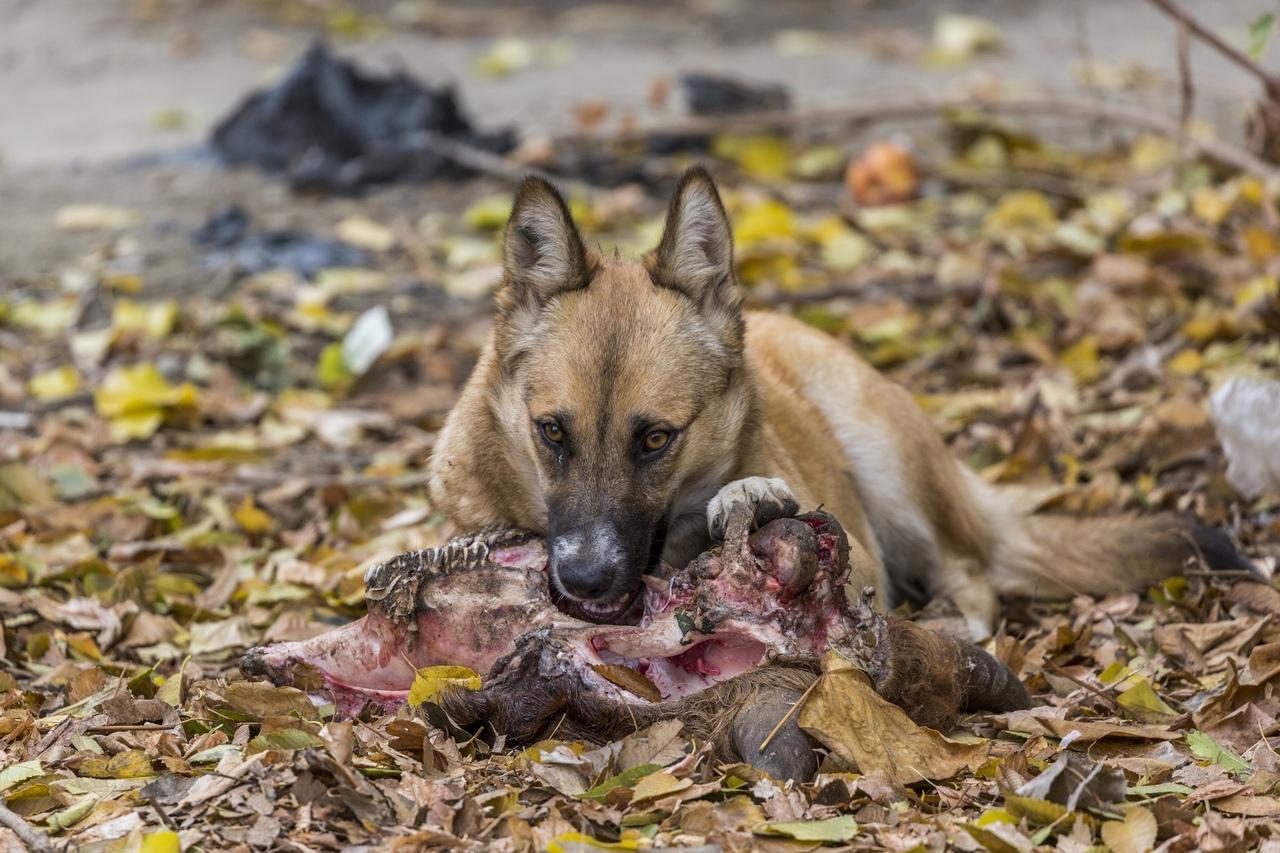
pixel 331 128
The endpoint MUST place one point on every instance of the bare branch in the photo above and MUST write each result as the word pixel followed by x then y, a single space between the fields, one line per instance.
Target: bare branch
pixel 1269 80
pixel 1186 91
pixel 35 840
pixel 1216 151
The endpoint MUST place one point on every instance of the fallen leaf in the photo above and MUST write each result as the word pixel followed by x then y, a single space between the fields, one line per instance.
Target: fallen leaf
pixel 430 680
pixel 659 784
pixel 1135 834
pixel 847 716
pixel 841 828
pixel 957 38
pixel 630 680
pixel 365 233
pixel 1208 749
pixel 56 384
pixel 95 217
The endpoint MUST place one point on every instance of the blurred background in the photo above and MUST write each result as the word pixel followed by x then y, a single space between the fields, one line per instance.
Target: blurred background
pixel 100 98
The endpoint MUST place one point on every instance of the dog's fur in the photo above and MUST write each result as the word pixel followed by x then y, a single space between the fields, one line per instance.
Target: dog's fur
pixel 758 408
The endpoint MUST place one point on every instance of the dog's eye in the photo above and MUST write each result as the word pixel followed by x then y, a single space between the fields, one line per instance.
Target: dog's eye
pixel 552 432
pixel 656 439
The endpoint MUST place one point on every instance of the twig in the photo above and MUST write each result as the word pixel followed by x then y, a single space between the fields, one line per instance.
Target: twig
pixel 1219 152
pixel 1269 80
pixel 496 166
pixel 141 727
pixel 795 705
pixel 860 289
pixel 1186 91
pixel 1101 694
pixel 27 834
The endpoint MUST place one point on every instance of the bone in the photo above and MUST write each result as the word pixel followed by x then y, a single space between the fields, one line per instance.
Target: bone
pixel 707 648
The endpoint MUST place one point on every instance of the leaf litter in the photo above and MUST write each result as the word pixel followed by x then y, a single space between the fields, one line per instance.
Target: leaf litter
pixel 195 477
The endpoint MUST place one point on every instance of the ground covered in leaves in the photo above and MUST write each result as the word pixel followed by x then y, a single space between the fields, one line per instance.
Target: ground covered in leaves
pixel 182 478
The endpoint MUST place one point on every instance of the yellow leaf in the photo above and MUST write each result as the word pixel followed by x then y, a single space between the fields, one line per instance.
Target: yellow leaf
pixel 629 679
pixel 573 841
pixel 56 384
pixel 1081 358
pixel 140 388
pixel 1020 213
pixel 122 282
pixel 658 784
pixel 1259 243
pixel 251 518
pixel 1211 324
pixel 1142 700
pixel 766 220
pixel 506 56
pixel 848 717
pixel 957 38
pixel 1152 153
pixel 1257 290
pixel 430 680
pixel 132 764
pixel 488 214
pixel 1188 362
pixel 1135 834
pixel 365 233
pixel 84 645
pixel 843 249
pixel 1210 205
pixel 154 320
pixel 136 399
pixel 137 425
pixel 1036 811
pixel 165 841
pixel 767 158
pixel 13 574
pixel 47 318
pixel 94 217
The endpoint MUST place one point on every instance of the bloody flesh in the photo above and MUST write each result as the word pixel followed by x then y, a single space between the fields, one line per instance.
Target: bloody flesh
pixel 776 594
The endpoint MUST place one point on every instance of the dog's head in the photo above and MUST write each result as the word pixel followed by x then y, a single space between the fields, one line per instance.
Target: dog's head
pixel 620 381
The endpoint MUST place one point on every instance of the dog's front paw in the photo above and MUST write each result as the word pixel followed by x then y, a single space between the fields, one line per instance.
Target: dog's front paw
pixel 767 498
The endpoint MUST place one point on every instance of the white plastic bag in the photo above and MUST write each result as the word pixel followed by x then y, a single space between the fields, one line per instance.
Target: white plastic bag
pixel 1246 411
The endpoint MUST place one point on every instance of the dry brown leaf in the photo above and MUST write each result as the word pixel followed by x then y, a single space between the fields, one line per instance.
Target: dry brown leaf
pixel 1040 721
pixel 1135 834
pixel 847 716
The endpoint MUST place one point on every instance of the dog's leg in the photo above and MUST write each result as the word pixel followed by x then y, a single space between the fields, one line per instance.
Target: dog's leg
pixel 767 497
pixel 965 583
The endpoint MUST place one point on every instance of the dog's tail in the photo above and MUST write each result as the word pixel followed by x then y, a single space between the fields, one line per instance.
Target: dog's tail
pixel 1054 555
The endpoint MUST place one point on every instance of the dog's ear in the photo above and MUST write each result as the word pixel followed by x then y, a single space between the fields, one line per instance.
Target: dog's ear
pixel 695 256
pixel 543 255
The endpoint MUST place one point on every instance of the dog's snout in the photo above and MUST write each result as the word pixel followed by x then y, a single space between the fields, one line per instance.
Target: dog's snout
pixel 586 563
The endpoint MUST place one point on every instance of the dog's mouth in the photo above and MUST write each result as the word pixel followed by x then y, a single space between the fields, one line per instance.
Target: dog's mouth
pixel 611 611
pixel 624 608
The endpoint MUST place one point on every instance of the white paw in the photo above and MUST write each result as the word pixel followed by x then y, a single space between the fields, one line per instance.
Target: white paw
pixel 767 497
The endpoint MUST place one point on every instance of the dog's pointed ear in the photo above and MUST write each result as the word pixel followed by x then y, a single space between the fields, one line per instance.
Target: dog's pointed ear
pixel 543 256
pixel 543 253
pixel 695 256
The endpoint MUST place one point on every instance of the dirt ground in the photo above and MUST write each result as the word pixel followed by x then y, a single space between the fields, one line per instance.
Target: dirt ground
pixel 108 102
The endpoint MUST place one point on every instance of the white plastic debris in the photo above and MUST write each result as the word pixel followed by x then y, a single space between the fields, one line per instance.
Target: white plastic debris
pixel 368 338
pixel 1246 411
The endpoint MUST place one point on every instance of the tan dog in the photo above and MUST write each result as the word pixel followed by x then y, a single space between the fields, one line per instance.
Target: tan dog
pixel 621 409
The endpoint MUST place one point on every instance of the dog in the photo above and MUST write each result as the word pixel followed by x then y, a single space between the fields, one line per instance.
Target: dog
pixel 623 408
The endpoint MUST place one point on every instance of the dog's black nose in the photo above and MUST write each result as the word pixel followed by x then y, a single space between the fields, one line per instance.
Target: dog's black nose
pixel 582 578
pixel 586 563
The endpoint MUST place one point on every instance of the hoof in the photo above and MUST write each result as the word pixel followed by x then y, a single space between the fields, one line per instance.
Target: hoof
pixel 789 755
